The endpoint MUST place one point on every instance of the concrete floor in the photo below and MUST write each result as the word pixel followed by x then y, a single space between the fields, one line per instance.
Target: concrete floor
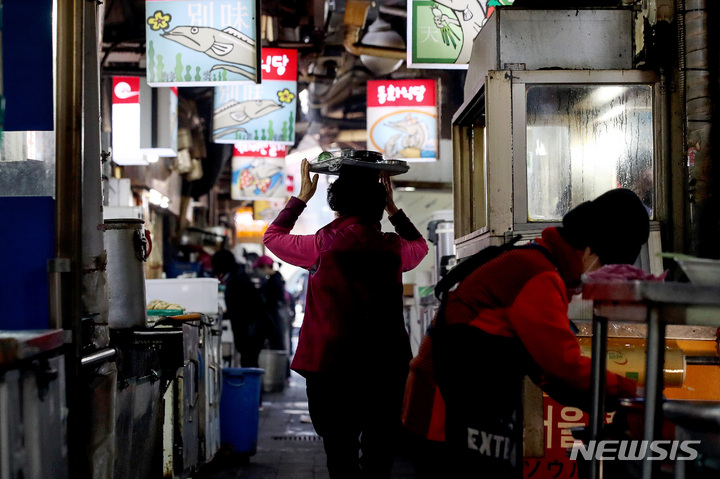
pixel 288 447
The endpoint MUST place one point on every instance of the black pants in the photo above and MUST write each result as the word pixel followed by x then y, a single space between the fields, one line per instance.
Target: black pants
pixel 249 340
pixel 356 413
pixel 480 377
pixel 430 459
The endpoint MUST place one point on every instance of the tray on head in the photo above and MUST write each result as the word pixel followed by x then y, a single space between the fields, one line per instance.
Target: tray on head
pixel 331 163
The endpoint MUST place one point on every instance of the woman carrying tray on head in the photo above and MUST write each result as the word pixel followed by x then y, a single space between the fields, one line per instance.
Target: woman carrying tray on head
pixel 353 349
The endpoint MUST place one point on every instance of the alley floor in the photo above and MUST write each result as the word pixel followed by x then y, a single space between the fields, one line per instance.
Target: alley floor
pixel 288 447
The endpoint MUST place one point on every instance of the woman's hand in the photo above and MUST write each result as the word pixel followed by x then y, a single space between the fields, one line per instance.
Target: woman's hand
pixel 390 206
pixel 307 186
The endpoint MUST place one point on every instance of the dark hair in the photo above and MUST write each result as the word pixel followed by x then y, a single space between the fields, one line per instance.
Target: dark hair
pixel 223 261
pixel 614 225
pixel 358 195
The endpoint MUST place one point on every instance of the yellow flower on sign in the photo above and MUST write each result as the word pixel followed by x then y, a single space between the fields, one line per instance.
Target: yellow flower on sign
pixel 159 20
pixel 286 96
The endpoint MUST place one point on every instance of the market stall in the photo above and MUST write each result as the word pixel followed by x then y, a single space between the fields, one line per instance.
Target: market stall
pixel 656 305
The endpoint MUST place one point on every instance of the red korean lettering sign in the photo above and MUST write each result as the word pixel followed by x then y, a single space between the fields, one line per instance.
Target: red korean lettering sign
pixel 558 421
pixel 259 149
pixel 279 64
pixel 126 90
pixel 401 93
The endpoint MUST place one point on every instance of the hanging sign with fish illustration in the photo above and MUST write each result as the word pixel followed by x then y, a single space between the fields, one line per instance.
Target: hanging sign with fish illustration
pixel 402 119
pixel 258 171
pixel 266 112
pixel 441 32
pixel 202 43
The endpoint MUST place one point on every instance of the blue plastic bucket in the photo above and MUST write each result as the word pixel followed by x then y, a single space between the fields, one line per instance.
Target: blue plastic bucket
pixel 239 405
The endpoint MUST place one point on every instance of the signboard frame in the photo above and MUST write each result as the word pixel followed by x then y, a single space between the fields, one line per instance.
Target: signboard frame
pixel 202 54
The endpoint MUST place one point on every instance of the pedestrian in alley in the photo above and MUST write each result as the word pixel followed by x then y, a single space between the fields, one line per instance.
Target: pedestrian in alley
pixel 244 307
pixel 353 348
pixel 272 290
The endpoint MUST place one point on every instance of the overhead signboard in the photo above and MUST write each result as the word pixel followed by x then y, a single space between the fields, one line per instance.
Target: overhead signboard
pixel 258 172
pixel 126 121
pixel 202 42
pixel 144 121
pixel 402 119
pixel 265 112
pixel 441 32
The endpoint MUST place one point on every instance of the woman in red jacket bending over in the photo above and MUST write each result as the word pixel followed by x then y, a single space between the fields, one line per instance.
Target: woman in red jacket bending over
pixel 353 349
pixel 508 319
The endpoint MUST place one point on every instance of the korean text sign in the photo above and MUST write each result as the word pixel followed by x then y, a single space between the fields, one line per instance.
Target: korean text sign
pixel 265 112
pixel 402 118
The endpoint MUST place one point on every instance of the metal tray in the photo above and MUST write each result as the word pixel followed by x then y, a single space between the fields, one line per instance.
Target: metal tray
pixel 349 157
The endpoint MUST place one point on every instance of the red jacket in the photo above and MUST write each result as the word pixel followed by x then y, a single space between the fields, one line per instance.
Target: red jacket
pixel 354 308
pixel 522 294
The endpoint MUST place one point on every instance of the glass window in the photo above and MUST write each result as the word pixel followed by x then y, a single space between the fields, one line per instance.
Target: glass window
pixel 583 140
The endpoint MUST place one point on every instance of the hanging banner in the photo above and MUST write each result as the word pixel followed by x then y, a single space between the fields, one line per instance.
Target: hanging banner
pixel 202 42
pixel 402 118
pixel 257 177
pixel 126 122
pixel 266 112
pixel 442 32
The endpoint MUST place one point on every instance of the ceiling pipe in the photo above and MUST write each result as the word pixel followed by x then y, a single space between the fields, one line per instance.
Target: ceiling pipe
pixel 356 12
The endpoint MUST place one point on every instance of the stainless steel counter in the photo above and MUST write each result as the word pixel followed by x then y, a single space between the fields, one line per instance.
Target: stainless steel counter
pixel 32 405
pixel 24 344
pixel 656 304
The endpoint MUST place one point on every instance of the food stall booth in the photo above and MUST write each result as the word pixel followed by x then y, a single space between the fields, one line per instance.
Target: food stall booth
pixel 556 113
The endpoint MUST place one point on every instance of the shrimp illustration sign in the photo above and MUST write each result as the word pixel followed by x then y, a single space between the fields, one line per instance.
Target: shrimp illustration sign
pixel 266 112
pixel 442 31
pixel 202 42
pixel 258 171
pixel 402 118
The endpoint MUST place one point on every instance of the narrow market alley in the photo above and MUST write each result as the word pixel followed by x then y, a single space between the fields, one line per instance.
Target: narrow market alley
pixel 288 447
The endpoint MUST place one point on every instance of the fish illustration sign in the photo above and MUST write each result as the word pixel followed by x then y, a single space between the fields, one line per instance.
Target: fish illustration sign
pixel 441 32
pixel 266 112
pixel 258 171
pixel 402 119
pixel 202 43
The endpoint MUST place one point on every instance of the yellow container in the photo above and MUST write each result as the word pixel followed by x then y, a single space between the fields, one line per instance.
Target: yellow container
pixel 626 357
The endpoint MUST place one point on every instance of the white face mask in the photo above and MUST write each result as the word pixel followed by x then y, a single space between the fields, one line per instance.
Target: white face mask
pixel 590 261
pixel 592 266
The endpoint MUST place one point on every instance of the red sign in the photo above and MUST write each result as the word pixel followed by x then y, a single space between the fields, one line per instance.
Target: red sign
pixel 279 64
pixel 558 421
pixel 126 90
pixel 401 93
pixel 257 149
